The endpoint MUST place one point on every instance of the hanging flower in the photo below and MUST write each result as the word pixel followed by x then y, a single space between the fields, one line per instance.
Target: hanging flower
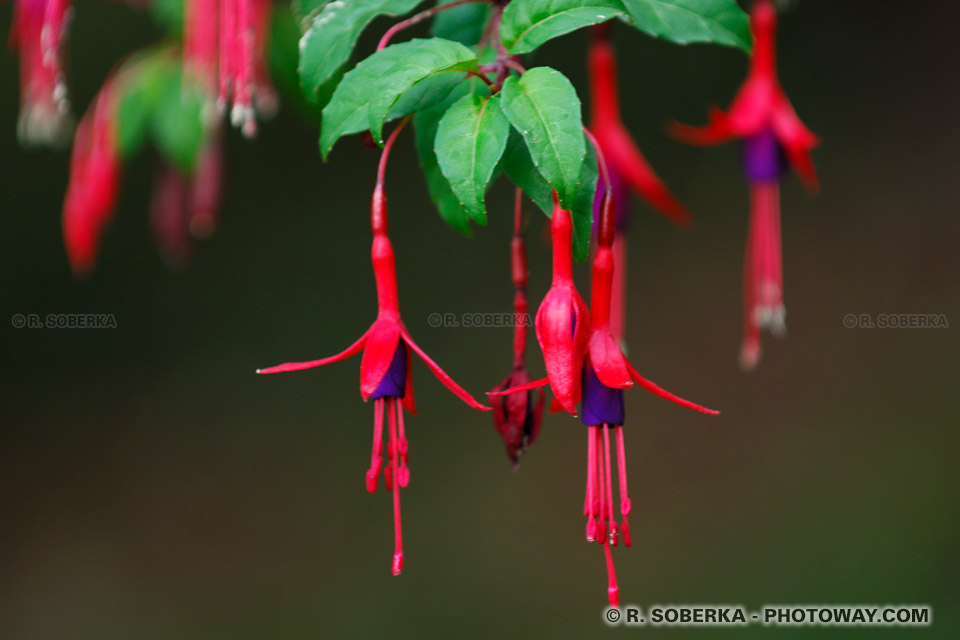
pixel 774 139
pixel 244 87
pixel 515 416
pixel 626 162
pixel 606 373
pixel 94 180
pixel 385 372
pixel 39 32
pixel 563 319
pixel 603 375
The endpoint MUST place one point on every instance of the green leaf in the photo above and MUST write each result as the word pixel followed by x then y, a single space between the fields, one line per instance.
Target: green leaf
pixel 470 139
pixel 685 21
pixel 582 211
pixel 304 11
pixel 426 123
pixel 329 41
pixel 545 109
pixel 527 24
pixel 463 24
pixel 144 79
pixel 425 60
pixel 169 14
pixel 176 123
pixel 521 171
pixel 282 54
pixel 347 111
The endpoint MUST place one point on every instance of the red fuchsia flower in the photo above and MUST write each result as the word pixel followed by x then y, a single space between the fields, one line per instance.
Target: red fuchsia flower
pixel 627 169
pixel 606 373
pixel 184 206
pixel 515 416
pixel 562 323
pixel 244 84
pixel 385 371
pixel 563 319
pixel 94 180
pixel 624 159
pixel 773 139
pixel 201 45
pixel 206 187
pixel 39 31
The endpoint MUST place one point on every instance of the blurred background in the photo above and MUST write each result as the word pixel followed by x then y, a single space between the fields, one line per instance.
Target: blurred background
pixel 152 486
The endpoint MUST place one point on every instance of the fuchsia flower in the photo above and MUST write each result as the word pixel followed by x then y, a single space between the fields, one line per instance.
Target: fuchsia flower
pixel 201 44
pixel 244 85
pixel 602 372
pixel 563 319
pixel 94 180
pixel 624 159
pixel 774 138
pixel 626 166
pixel 385 367
pixel 515 416
pixel 184 206
pixel 39 31
pixel 606 373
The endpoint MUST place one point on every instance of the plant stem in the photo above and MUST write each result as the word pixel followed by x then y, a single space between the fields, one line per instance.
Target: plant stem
pixel 382 168
pixel 601 160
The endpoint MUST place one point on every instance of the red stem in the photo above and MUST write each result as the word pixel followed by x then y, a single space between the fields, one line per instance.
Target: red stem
pixel 601 159
pixel 561 227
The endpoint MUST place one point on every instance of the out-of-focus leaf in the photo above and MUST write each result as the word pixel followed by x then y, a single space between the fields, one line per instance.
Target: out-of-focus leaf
pixel 176 123
pixel 142 81
pixel 169 14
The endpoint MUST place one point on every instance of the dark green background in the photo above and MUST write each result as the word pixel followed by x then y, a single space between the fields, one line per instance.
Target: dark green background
pixel 152 487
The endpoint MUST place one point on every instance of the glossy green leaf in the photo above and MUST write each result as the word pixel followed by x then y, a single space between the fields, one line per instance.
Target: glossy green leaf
pixel 347 111
pixel 304 11
pixel 686 21
pixel 519 168
pixel 527 24
pixel 470 139
pixel 328 42
pixel 582 211
pixel 463 24
pixel 545 109
pixel 425 123
pixel 425 60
